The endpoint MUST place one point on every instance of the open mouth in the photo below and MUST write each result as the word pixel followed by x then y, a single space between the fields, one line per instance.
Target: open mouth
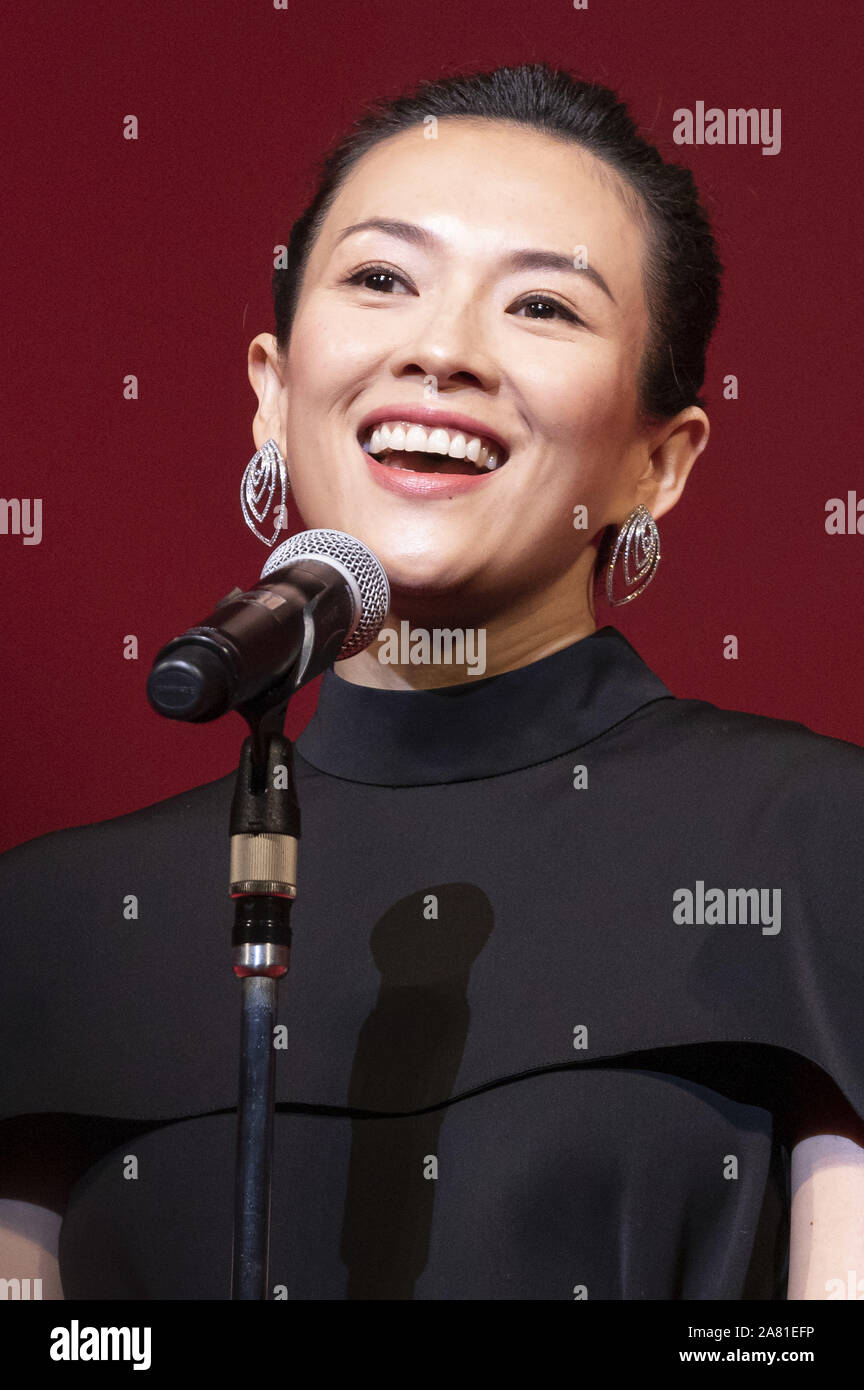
pixel 400 444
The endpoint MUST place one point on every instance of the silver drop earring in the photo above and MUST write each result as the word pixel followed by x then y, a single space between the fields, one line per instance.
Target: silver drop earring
pixel 640 537
pixel 265 475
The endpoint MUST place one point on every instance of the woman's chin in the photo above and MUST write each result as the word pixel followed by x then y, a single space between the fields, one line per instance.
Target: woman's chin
pixel 426 582
pixel 422 562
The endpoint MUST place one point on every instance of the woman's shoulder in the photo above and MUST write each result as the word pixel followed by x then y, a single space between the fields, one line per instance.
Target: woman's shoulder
pixel 176 819
pixel 758 741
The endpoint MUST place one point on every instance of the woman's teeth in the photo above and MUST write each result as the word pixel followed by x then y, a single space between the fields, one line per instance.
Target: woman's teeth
pixel 403 438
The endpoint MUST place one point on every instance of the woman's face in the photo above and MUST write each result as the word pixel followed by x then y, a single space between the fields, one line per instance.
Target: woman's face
pixel 468 305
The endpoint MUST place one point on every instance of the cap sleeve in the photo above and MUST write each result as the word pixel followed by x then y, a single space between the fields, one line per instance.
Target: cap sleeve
pixel 797 984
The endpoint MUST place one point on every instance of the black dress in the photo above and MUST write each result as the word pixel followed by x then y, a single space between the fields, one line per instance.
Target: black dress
pixel 540 1041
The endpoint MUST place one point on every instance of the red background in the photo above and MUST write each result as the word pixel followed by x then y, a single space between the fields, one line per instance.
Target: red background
pixel 154 257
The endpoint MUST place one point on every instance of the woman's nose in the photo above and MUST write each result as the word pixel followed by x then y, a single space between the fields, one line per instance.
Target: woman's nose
pixel 449 344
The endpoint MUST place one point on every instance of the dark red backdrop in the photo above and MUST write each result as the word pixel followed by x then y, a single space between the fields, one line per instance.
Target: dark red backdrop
pixel 153 257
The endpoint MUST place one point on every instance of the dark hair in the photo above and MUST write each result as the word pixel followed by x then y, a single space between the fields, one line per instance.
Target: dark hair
pixel 681 273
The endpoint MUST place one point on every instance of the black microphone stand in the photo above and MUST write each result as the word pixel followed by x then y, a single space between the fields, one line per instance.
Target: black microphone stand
pixel 265 828
pixel 302 622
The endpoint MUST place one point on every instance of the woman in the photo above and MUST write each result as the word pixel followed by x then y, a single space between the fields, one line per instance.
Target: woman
pixel 574 1001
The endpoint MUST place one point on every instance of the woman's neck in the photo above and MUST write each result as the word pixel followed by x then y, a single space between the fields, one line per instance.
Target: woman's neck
pixel 424 647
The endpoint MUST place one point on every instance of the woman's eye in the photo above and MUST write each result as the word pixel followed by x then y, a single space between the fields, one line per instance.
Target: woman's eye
pixel 548 308
pixel 376 277
pixel 381 279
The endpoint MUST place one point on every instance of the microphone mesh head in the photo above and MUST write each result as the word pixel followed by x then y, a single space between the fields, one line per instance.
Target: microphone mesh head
pixel 354 558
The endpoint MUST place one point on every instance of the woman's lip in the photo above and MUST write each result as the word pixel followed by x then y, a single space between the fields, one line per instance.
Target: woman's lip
pixel 409 484
pixel 430 416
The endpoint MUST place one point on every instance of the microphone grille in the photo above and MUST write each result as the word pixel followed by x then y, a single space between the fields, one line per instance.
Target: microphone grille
pixel 357 562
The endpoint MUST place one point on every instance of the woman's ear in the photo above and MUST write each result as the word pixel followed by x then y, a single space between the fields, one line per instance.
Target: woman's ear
pixel 266 370
pixel 673 454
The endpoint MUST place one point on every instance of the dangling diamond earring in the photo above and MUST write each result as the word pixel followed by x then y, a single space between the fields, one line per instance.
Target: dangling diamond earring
pixel 640 533
pixel 262 473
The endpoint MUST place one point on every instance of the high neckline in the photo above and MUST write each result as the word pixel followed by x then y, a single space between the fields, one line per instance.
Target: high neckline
pixel 481 728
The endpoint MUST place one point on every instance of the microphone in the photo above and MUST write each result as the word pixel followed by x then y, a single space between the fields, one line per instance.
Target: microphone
pixel 324 600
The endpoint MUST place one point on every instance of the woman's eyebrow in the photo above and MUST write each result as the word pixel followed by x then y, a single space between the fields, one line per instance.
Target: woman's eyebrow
pixel 526 259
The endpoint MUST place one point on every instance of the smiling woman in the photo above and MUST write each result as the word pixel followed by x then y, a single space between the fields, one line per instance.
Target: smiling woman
pixel 533 290
pixel 515 1069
